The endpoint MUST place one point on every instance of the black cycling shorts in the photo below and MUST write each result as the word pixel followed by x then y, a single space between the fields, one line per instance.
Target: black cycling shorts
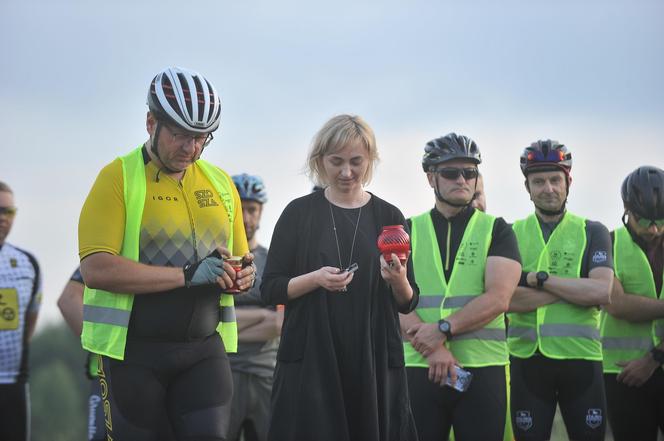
pixel 96 426
pixel 540 383
pixel 476 414
pixel 14 412
pixel 636 413
pixel 167 391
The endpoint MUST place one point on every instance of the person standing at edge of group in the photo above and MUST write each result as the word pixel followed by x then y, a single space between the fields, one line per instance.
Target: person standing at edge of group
pixel 553 332
pixel 20 299
pixel 466 265
pixel 479 197
pixel 340 369
pixel 258 330
pixel 154 234
pixel 70 304
pixel 633 323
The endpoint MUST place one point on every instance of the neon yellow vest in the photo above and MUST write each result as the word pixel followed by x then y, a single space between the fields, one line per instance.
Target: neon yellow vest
pixel 440 299
pixel 561 330
pixel 106 314
pixel 623 340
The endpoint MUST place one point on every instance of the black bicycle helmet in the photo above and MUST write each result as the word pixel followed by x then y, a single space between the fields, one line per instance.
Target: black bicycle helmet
pixel 545 155
pixel 185 99
pixel 449 147
pixel 642 192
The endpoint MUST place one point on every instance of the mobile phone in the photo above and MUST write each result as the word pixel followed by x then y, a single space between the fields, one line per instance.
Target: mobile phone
pixel 463 380
pixel 352 268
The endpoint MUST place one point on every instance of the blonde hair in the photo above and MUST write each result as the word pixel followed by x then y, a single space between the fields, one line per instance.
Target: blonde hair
pixel 335 135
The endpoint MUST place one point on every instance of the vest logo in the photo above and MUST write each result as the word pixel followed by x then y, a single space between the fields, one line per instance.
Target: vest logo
pixel 594 418
pixel 523 420
pixel 599 257
pixel 204 198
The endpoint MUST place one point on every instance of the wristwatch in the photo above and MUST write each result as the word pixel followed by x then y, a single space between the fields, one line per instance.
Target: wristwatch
pixel 541 277
pixel 445 327
pixel 657 355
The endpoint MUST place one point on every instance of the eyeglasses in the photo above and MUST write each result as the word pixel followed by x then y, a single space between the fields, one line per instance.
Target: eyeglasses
pixel 8 211
pixel 646 223
pixel 185 138
pixel 453 173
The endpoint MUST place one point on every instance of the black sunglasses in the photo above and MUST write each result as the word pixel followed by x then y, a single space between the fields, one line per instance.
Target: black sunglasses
pixel 453 173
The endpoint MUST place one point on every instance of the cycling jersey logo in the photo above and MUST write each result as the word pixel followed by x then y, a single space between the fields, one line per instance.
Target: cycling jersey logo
pixel 523 420
pixel 594 418
pixel 204 198
pixel 13 262
pixel 599 257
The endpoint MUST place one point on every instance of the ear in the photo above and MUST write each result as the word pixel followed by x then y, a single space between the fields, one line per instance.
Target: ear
pixel 569 181
pixel 150 123
pixel 525 182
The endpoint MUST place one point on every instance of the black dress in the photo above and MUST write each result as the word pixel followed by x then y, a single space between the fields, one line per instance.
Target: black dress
pixel 340 368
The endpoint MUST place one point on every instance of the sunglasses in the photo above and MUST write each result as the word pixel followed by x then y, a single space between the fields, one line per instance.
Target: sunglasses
pixel 646 223
pixel 8 211
pixel 453 173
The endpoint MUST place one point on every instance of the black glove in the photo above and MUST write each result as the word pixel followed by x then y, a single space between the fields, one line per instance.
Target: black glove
pixel 205 271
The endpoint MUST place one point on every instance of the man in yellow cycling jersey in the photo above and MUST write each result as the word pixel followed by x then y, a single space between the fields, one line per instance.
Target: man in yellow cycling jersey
pixel 154 235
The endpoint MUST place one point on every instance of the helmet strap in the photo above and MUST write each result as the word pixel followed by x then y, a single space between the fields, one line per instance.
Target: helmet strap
pixel 155 149
pixel 440 197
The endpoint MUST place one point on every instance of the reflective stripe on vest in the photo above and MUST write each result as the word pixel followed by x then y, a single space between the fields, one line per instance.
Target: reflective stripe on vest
pixel 438 298
pixel 560 330
pixel 105 314
pixel 623 340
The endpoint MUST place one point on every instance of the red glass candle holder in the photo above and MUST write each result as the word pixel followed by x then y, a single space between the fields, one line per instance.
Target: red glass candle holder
pixel 394 239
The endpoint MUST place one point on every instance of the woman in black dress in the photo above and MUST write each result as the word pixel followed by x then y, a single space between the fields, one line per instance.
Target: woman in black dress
pixel 340 369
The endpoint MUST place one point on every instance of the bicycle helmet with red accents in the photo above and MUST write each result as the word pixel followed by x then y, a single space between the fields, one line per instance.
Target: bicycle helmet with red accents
pixel 546 155
pixel 185 99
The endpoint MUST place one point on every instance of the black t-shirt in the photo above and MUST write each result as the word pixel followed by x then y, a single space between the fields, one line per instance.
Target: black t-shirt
pixel 503 239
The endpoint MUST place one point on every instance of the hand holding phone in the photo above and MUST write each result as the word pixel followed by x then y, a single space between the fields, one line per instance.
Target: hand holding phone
pixel 352 268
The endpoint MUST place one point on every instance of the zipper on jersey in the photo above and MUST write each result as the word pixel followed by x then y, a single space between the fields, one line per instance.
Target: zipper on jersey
pixel 447 246
pixel 191 221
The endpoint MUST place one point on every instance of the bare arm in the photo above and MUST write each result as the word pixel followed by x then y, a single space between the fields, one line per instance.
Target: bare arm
pixel 395 275
pixel 529 299
pixel 31 319
pixel 591 291
pixel 70 303
pixel 501 277
pixel 119 274
pixel 267 328
pixel 631 307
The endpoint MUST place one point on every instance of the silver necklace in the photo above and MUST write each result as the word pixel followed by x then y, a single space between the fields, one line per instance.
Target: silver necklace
pixel 336 239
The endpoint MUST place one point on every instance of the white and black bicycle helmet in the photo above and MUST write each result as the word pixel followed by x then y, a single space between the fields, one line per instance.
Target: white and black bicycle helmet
pixel 185 99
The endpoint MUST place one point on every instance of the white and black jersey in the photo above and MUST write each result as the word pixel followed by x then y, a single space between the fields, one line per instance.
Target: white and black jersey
pixel 20 295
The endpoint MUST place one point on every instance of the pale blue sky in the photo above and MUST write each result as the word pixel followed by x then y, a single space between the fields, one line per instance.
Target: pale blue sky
pixel 75 73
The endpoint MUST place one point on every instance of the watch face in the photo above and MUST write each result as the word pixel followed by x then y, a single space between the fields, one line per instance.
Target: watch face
pixel 444 326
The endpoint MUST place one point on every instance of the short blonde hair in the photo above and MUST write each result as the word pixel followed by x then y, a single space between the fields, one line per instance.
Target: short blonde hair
pixel 336 134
